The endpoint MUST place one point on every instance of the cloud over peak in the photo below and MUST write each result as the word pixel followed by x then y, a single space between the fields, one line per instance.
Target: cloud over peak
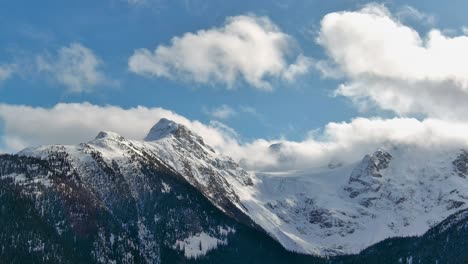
pixel 247 48
pixel 344 142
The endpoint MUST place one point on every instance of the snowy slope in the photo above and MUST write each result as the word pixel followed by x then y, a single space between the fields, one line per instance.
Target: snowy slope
pixel 346 209
pixel 213 174
pixel 325 211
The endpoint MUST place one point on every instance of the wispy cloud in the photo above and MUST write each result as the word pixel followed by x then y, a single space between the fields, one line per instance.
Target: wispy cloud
pixel 76 67
pixel 249 110
pixel 6 71
pixel 410 13
pixel 221 112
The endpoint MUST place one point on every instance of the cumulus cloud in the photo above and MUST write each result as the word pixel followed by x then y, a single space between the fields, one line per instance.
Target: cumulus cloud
pixel 75 66
pixel 247 48
pixel 390 65
pixel 337 143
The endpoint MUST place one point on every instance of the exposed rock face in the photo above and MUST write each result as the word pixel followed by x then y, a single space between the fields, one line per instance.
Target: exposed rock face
pixel 461 164
pixel 364 178
pixel 371 166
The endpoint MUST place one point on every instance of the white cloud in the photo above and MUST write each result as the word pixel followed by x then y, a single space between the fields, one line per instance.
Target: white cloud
pixel 222 112
pixel 75 66
pixel 247 48
pixel 348 142
pixel 384 63
pixel 300 67
pixel 80 122
pixel 389 65
pixel 338 142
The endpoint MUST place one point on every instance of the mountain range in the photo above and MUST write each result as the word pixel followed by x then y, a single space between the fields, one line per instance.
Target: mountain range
pixel 171 198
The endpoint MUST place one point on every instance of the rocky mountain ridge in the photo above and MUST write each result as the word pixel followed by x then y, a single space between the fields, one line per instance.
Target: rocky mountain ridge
pixel 331 211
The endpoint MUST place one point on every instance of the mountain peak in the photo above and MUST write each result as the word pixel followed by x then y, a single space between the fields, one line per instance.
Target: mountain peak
pixel 166 128
pixel 109 135
pixel 371 165
pixel 364 177
pixel 381 159
pixel 162 129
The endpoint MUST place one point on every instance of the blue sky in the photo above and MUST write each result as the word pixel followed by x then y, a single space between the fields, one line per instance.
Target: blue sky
pixel 113 30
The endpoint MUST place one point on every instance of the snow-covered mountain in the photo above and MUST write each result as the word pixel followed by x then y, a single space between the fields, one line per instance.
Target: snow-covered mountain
pixel 327 211
pixel 346 209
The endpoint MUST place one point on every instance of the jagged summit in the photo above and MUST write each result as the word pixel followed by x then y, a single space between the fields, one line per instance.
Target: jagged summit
pixel 162 129
pixel 461 164
pixel 108 135
pixel 371 165
pixel 378 161
pixel 165 128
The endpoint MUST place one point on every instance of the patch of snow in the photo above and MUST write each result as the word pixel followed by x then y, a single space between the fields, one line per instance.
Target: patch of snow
pixel 18 178
pixel 22 180
pixel 409 260
pixel 112 239
pixel 224 231
pixel 166 188
pixel 198 245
